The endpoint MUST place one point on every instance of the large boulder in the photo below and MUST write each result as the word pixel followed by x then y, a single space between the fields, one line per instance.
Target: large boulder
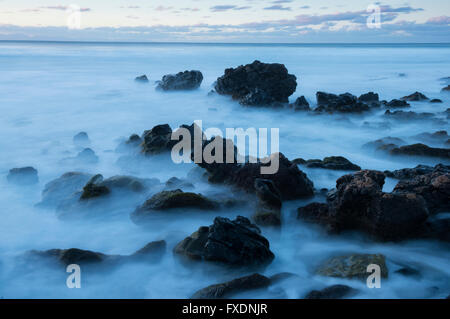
pixel 352 266
pixel 343 103
pixel 291 182
pixel 157 140
pixel 397 104
pixel 237 243
pixel 300 104
pixel 409 173
pixel 358 203
pixel 230 288
pixel 408 116
pixel 23 176
pixel 187 80
pixel 434 187
pixel 257 84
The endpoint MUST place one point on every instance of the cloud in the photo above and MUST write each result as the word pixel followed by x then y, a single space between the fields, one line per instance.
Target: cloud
pixel 221 8
pixel 442 20
pixel 278 7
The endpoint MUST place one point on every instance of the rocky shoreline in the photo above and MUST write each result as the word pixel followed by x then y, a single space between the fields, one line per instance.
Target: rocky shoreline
pixel 411 211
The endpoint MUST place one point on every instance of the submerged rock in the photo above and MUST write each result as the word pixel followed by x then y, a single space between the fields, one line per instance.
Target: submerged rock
pixel 87 156
pixel 174 199
pixel 436 101
pixel 149 253
pixel 268 209
pixel 23 176
pixel 236 242
pixel 63 187
pixel 230 288
pixel 81 139
pixel 352 266
pixel 333 163
pixel 187 80
pixel 412 116
pixel 446 89
pixel 421 150
pixel 332 292
pixel 417 96
pixel 369 97
pixel 257 84
pixel 384 144
pixel 408 173
pixel 437 137
pixel 300 104
pixel 131 144
pixel 142 79
pixel 343 103
pixel 97 187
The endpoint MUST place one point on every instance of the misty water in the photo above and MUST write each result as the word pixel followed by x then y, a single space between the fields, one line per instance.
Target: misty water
pixel 52 91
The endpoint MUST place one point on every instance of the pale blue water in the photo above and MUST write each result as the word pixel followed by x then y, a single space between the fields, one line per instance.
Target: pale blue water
pixel 51 91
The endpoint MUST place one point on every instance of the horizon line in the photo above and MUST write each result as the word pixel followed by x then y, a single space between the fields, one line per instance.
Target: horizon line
pixel 223 43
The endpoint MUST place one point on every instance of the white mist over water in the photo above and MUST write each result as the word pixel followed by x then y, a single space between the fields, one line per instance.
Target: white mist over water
pixel 51 91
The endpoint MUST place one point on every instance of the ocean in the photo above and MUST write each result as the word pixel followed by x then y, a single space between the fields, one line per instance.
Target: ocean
pixel 50 91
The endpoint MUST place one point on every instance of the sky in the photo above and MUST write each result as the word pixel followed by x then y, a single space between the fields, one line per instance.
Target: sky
pixel 230 21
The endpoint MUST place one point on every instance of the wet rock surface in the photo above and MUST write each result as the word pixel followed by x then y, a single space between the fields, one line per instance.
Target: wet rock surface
pixel 343 103
pixel 237 243
pixel 230 288
pixel 174 199
pixel 268 208
pixel 300 104
pixel 352 266
pixel 358 203
pixel 416 96
pixel 187 80
pixel 141 79
pixel 257 84
pixel 23 176
pixel 421 150
pixel 332 292
pixel 332 162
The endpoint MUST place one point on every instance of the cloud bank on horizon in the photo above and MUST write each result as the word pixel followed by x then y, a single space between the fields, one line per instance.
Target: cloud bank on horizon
pixel 282 21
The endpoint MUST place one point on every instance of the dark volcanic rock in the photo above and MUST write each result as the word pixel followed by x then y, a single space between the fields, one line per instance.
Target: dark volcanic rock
pixel 237 243
pixel 434 187
pixel 187 80
pixel 352 266
pixel 300 104
pixel 332 292
pixel 436 101
pixel 23 176
pixel 289 180
pixel 166 200
pixel 157 140
pixel 397 103
pixel 417 96
pixel 142 79
pixel 383 144
pixel 408 173
pixel 421 150
pixel 93 190
pixel 369 97
pixel 268 209
pixel 334 163
pixel 447 88
pixel 437 137
pixel 230 288
pixel 343 103
pixel 63 187
pixel 358 203
pixel 257 84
